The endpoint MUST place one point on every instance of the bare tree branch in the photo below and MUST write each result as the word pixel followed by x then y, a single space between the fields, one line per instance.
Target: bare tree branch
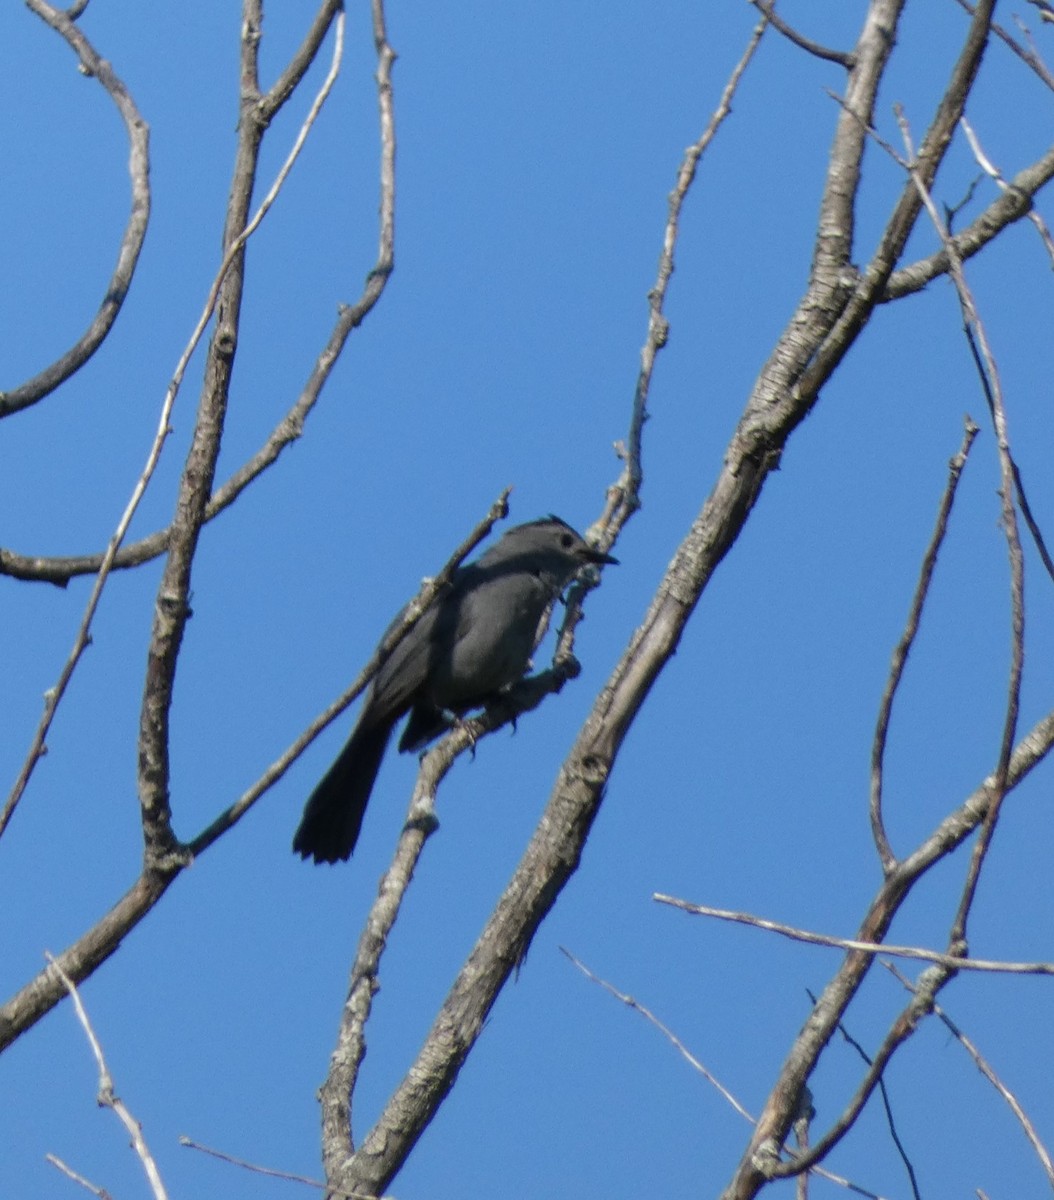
pixel 986 1070
pixel 955 961
pixel 83 637
pixel 696 1065
pixel 834 1000
pixel 172 609
pixel 900 654
pixel 1010 206
pixel 107 1095
pixel 993 390
pixel 134 233
pixel 70 1173
pixel 768 9
pixel 298 65
pixel 1027 56
pixel 623 497
pixel 60 570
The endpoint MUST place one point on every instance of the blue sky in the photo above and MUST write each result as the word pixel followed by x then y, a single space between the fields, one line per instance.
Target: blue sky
pixel 537 145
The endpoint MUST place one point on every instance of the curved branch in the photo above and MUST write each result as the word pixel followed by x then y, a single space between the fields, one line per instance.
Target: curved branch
pixel 59 570
pixel 768 9
pixel 48 380
pixel 900 654
pixel 155 818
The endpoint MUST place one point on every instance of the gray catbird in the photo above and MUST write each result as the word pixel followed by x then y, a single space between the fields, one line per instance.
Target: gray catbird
pixel 476 638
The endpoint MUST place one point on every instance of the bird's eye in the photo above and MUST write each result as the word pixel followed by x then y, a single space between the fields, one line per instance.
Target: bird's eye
pixel 567 541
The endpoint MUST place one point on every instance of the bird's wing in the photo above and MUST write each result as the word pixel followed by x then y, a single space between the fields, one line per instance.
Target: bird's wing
pixel 405 670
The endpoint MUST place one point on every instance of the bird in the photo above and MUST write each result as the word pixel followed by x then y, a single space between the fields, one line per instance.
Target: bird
pixel 475 639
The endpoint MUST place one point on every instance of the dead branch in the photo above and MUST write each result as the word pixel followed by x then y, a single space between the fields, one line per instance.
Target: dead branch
pixel 96 67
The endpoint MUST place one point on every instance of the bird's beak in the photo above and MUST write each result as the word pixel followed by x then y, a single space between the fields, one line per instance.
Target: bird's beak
pixel 598 556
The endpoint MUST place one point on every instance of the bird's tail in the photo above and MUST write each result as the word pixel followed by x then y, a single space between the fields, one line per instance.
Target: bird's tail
pixel 333 815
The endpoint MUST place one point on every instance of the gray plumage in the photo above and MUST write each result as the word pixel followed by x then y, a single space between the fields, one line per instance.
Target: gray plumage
pixel 475 639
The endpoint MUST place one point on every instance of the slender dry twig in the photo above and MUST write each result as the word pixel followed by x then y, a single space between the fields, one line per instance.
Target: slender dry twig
pixel 693 1062
pixel 886 1104
pixel 1027 56
pixel 907 640
pixel 107 1096
pixel 95 66
pixel 986 1070
pixel 270 1172
pixel 664 1029
pixel 989 374
pixel 623 497
pixel 70 1173
pixel 995 966
pixel 993 172
pixel 83 637
pixel 768 8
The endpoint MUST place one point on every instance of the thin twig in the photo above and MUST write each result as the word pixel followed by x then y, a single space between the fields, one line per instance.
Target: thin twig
pixel 1027 56
pixel 271 1172
pixel 993 173
pixel 953 961
pixel 94 65
pixel 990 380
pixel 70 1173
pixel 842 57
pixel 986 1070
pixel 907 640
pixel 920 1006
pixel 886 1104
pixel 107 1096
pixel 665 1030
pixel 623 497
pixel 693 1062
